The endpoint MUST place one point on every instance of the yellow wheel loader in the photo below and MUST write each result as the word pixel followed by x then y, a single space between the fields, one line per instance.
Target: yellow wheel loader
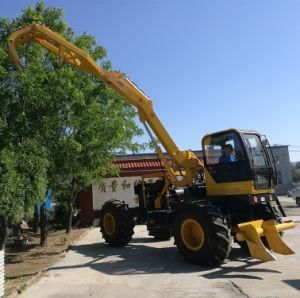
pixel 202 203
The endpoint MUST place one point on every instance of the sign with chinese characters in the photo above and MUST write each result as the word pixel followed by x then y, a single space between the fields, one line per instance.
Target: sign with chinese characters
pixel 120 188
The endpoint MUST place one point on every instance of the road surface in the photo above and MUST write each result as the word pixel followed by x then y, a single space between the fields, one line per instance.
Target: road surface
pixel 146 268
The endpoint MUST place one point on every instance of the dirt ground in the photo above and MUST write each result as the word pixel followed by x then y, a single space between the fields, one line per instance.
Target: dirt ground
pixel 24 264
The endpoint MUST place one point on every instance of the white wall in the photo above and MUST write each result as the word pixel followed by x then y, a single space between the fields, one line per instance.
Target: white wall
pixel 120 188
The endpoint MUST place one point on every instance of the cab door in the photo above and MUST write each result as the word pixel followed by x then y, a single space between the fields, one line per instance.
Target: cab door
pixel 225 165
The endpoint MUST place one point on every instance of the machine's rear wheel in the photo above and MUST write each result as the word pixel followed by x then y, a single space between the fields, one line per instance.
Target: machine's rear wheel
pixel 201 234
pixel 116 223
pixel 298 202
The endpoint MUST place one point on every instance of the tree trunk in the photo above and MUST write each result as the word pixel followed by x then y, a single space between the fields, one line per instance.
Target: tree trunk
pixel 3 227
pixel 70 214
pixel 44 225
pixel 36 220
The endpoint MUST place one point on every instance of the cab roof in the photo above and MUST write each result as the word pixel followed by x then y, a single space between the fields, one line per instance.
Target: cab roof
pixel 241 131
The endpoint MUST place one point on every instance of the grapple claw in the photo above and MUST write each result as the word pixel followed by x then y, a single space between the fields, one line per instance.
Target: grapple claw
pixel 252 231
pixel 271 232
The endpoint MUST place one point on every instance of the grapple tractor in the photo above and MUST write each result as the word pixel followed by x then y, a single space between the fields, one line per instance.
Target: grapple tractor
pixel 203 203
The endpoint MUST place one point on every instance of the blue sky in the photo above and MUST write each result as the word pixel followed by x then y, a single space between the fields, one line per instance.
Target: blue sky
pixel 207 65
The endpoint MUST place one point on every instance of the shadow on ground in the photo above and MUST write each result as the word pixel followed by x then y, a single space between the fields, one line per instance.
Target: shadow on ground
pixel 139 258
pixel 295 283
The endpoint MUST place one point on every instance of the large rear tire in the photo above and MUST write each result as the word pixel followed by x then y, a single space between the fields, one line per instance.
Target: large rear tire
pixel 116 223
pixel 201 234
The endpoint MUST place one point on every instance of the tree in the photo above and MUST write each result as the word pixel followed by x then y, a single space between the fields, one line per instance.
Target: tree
pixel 63 125
pixel 295 168
pixel 2 232
pixel 22 179
pixel 296 175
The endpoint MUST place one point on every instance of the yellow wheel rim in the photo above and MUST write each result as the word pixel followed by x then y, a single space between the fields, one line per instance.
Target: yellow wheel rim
pixel 109 223
pixel 192 234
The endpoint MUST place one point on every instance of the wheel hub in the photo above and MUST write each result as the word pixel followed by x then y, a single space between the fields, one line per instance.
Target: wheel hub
pixel 109 223
pixel 192 234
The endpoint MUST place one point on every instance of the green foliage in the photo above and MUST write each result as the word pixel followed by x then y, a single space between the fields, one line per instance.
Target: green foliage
pixel 23 179
pixel 3 56
pixel 59 127
pixel 296 172
pixel 11 190
pixel 296 175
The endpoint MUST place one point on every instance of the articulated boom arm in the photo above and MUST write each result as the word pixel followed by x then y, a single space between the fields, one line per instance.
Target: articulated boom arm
pixel 67 52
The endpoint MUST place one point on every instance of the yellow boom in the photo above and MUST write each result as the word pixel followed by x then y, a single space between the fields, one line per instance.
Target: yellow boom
pixel 67 52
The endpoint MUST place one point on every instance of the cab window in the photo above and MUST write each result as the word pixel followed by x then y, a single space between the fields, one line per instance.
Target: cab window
pixel 256 151
pixel 225 148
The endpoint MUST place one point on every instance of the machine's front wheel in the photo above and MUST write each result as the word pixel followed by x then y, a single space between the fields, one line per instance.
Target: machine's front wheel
pixel 116 223
pixel 201 234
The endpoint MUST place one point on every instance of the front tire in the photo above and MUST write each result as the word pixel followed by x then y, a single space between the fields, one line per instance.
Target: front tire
pixel 201 234
pixel 116 223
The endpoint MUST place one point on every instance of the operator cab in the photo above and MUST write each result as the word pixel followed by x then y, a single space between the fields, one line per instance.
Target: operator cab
pixel 236 156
